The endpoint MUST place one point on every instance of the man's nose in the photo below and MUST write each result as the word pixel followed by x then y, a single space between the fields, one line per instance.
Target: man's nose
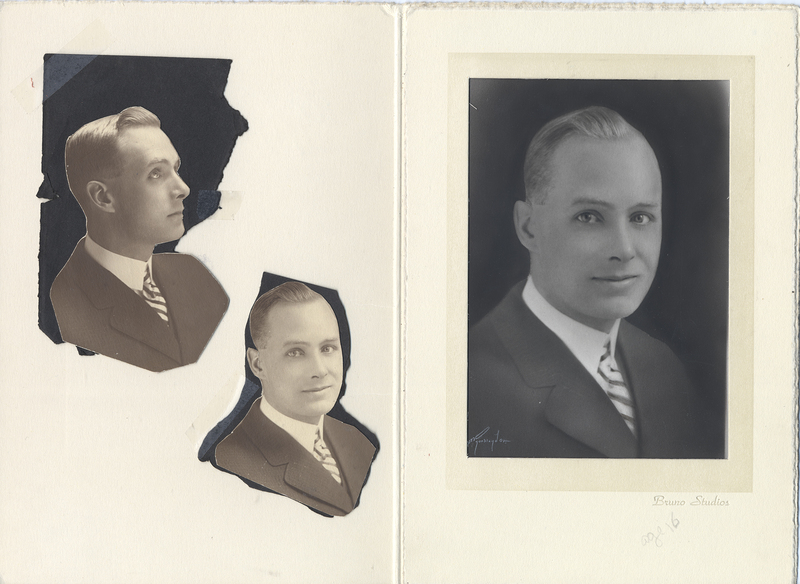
pixel 319 368
pixel 181 189
pixel 621 246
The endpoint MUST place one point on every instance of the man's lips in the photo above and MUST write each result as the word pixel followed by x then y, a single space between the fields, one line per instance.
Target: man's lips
pixel 176 213
pixel 616 278
pixel 316 389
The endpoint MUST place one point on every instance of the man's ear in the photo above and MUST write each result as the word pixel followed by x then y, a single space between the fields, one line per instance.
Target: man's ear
pixel 100 196
pixel 254 360
pixel 523 223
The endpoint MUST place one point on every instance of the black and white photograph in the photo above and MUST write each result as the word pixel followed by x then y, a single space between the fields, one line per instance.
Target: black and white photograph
pixel 598 268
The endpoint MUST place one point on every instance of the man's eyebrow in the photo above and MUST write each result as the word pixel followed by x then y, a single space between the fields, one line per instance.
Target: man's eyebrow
pixel 162 161
pixel 307 344
pixel 601 203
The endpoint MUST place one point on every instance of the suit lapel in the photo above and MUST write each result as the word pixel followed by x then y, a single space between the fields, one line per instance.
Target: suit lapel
pixel 651 391
pixel 128 312
pixel 576 404
pixel 308 475
pixel 181 310
pixel 301 470
pixel 353 453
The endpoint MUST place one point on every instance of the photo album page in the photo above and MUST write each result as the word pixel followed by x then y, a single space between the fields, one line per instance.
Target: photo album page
pixel 398 294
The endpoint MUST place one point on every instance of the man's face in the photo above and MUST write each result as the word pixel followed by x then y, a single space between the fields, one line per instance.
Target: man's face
pixel 597 237
pixel 300 362
pixel 149 193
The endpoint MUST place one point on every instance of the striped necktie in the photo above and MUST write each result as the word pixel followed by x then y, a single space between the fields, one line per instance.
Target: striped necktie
pixel 153 296
pixel 615 388
pixel 322 454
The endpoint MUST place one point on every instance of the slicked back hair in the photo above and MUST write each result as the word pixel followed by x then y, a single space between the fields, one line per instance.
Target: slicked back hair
pixel 293 292
pixel 592 122
pixel 92 153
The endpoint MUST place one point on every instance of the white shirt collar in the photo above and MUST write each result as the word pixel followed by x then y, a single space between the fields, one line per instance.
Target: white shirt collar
pixel 129 271
pixel 303 432
pixel 586 343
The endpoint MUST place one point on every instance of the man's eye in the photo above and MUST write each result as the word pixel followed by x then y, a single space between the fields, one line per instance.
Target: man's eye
pixel 641 218
pixel 588 217
pixel 155 173
pixel 295 353
pixel 329 349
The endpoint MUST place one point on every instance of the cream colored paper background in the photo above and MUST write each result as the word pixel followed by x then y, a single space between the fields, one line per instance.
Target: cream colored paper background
pixel 733 474
pixel 98 481
pixel 588 528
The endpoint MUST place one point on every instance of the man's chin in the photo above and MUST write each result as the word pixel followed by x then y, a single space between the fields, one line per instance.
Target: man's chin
pixel 174 236
pixel 614 311
pixel 326 407
pixel 320 405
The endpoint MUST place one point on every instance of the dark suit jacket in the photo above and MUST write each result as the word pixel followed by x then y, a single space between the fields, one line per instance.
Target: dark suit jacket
pixel 529 396
pixel 259 451
pixel 96 311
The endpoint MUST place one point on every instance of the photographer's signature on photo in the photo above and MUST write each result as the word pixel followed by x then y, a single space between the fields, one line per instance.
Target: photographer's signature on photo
pixel 482 438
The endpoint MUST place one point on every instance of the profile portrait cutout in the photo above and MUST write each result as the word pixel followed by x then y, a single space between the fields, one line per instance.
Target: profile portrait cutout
pixel 114 296
pixel 554 368
pixel 287 442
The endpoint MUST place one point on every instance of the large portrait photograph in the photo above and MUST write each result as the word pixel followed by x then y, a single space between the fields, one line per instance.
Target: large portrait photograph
pixel 598 268
pixel 600 274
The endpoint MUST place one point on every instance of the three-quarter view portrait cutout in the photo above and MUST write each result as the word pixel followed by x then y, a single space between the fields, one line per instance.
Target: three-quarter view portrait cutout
pixel 288 434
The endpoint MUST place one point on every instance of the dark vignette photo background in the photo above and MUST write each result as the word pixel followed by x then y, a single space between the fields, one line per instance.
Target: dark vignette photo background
pixel 186 94
pixel 687 124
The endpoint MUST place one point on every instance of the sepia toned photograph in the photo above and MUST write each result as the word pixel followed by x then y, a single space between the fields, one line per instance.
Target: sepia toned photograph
pixel 288 433
pixel 121 184
pixel 598 268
